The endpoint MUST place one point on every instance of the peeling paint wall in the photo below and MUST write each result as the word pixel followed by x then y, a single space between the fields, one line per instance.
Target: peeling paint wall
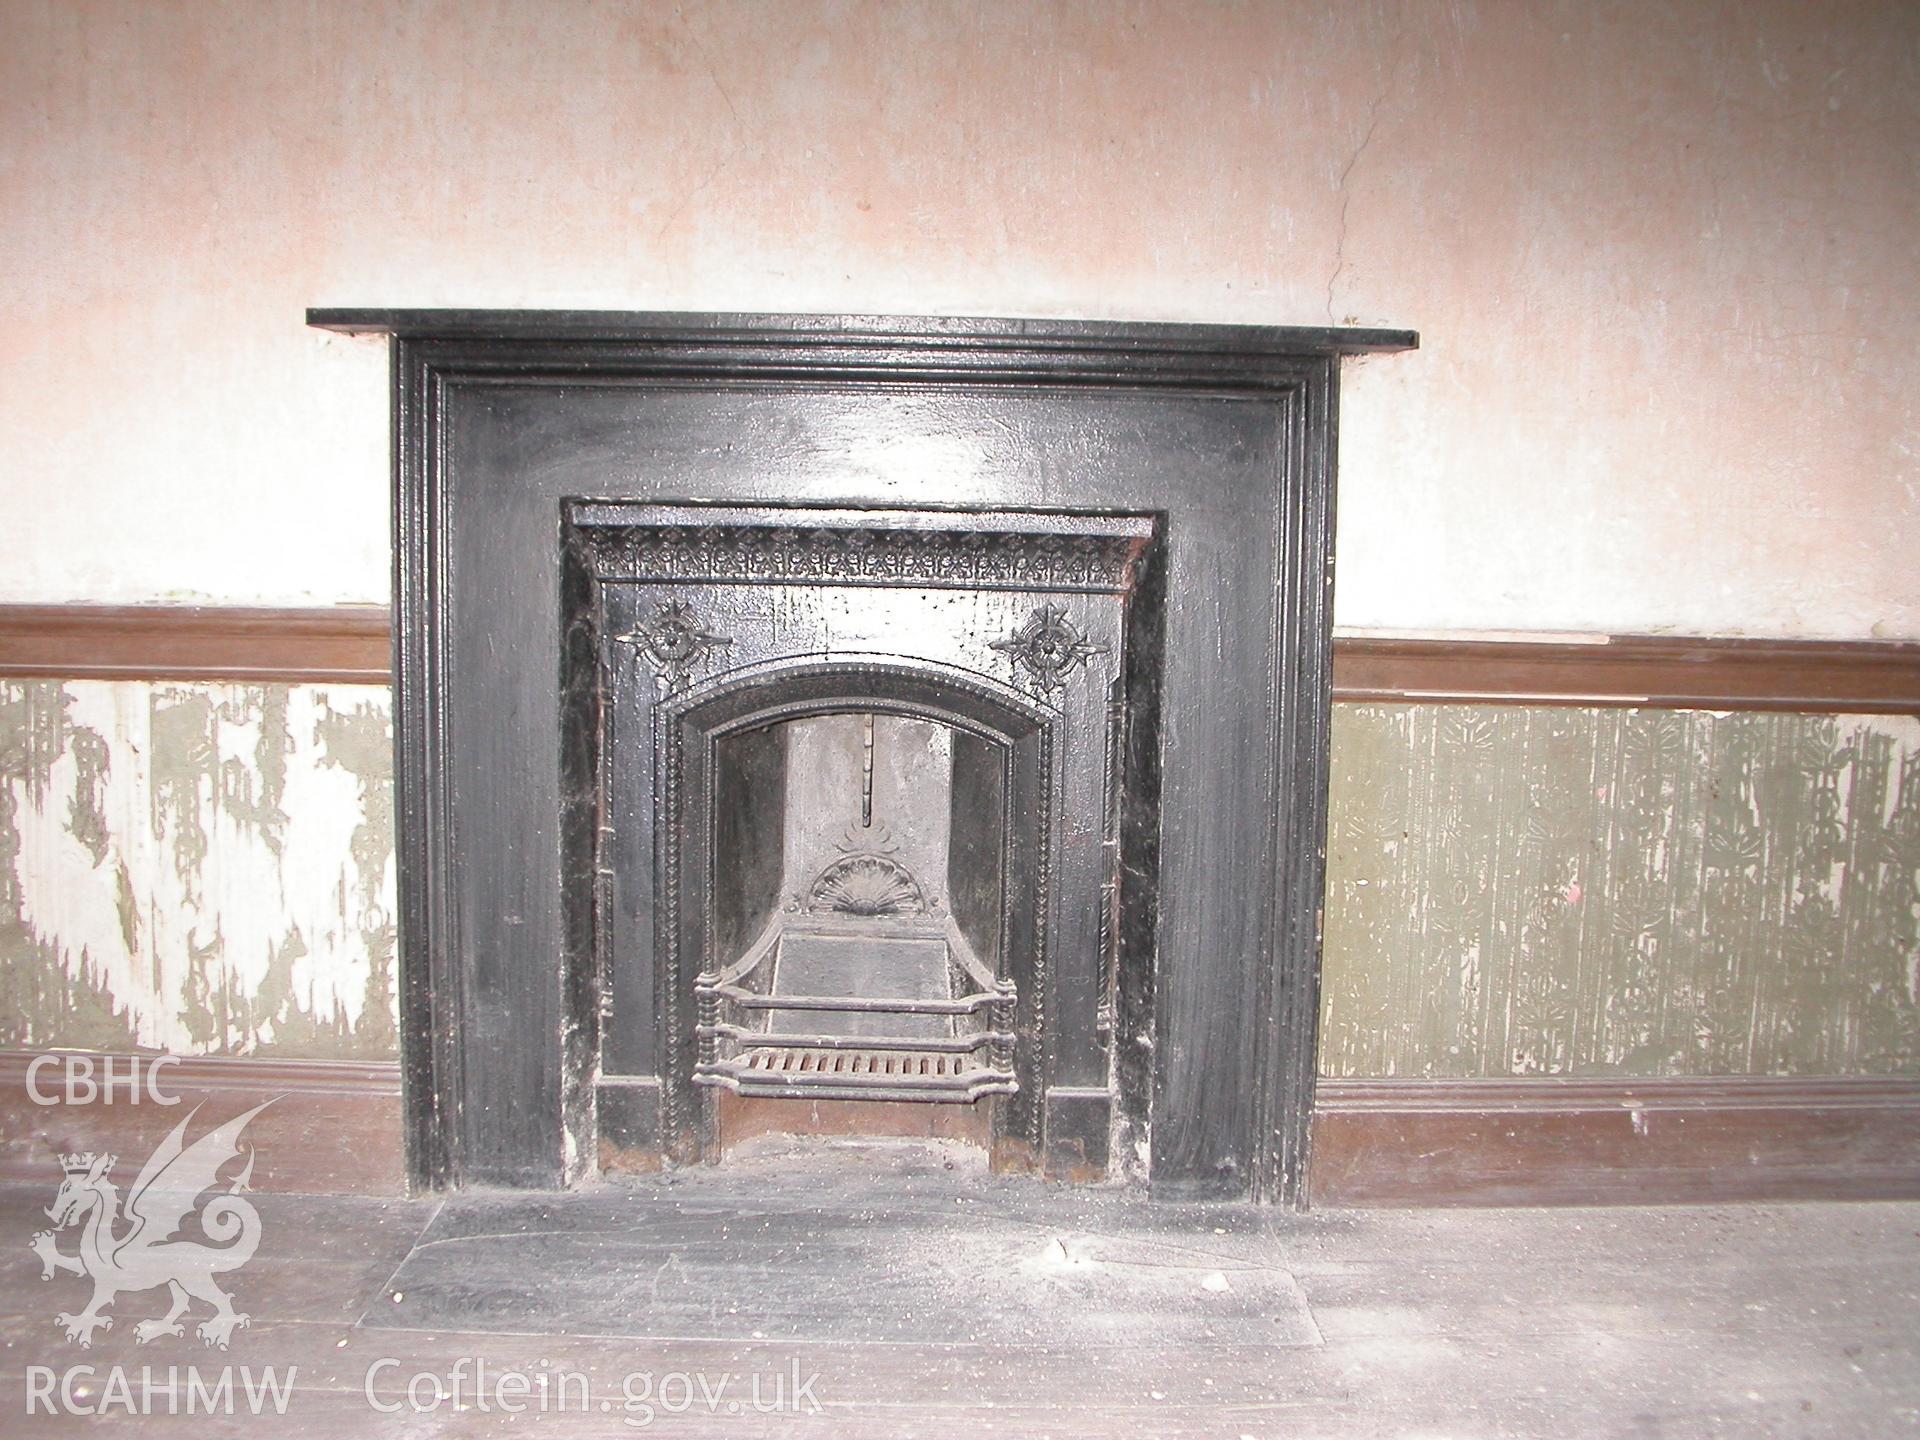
pixel 206 869
pixel 1661 253
pixel 209 868
pixel 1634 893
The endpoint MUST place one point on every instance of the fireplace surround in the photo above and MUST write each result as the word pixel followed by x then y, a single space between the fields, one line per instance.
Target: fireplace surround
pixel 876 711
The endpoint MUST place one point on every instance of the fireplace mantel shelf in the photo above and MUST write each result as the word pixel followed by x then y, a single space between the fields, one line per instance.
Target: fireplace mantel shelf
pixel 918 330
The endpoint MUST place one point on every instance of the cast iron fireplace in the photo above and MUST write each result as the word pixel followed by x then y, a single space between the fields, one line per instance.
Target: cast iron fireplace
pixel 747 675
pixel 915 717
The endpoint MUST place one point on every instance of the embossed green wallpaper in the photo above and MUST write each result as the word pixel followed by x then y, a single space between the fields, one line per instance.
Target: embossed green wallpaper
pixel 1532 890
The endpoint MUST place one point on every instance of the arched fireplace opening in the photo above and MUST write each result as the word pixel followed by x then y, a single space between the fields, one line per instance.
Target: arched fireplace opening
pixel 855 981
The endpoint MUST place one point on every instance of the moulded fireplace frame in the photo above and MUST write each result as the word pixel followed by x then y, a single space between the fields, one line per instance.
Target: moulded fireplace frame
pixel 497 1080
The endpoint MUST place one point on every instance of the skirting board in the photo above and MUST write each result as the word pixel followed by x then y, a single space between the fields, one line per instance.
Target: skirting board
pixel 333 1127
pixel 1538 1141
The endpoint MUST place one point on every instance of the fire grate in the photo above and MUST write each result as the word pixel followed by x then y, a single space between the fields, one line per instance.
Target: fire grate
pixel 950 1041
pixel 829 1072
pixel 793 1060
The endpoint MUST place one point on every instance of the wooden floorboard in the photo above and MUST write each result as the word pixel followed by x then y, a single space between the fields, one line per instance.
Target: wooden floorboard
pixel 1799 1320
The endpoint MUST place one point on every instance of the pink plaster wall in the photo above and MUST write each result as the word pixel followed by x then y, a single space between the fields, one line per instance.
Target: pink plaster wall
pixel 1665 258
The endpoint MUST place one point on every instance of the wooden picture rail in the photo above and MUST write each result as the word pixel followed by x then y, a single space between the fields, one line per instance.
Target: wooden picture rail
pixel 353 644
pixel 1660 672
pixel 164 642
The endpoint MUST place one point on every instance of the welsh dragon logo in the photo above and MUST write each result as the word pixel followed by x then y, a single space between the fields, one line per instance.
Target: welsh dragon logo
pixel 138 1247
